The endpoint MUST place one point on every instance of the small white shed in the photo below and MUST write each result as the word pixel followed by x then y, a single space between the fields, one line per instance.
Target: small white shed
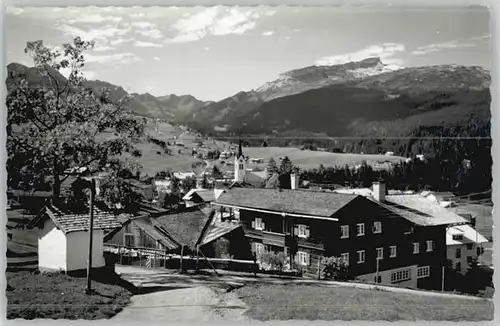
pixel 63 238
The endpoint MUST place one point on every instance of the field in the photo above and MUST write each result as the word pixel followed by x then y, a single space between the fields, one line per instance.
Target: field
pixel 154 159
pixel 306 159
pixel 286 302
pixel 58 296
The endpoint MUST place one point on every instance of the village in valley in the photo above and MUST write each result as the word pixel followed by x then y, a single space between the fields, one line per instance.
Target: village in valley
pixel 124 215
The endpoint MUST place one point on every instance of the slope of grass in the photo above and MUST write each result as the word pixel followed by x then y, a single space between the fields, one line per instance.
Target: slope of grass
pixel 310 302
pixel 312 159
pixel 58 296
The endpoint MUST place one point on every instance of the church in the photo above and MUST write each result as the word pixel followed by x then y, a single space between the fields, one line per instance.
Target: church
pixel 244 177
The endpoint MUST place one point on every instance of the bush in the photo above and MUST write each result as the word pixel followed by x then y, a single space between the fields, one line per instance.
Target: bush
pixel 335 269
pixel 274 260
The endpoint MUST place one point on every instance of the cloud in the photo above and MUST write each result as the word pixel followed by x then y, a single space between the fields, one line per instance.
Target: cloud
pixel 385 52
pixel 156 58
pixel 421 50
pixel 14 10
pixel 143 24
pixel 206 48
pixel 296 30
pixel 268 33
pixel 90 74
pixel 137 15
pixel 94 19
pixel 147 44
pixel 103 48
pixel 151 33
pixel 216 21
pixel 93 34
pixel 437 47
pixel 270 13
pixel 120 40
pixel 287 38
pixel 114 58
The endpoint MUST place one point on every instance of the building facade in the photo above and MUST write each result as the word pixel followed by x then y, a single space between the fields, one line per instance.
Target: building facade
pixel 378 243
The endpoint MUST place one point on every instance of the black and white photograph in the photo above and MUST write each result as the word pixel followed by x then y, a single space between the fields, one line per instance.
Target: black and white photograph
pixel 247 164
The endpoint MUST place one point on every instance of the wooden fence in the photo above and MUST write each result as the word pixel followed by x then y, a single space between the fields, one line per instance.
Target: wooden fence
pixel 156 258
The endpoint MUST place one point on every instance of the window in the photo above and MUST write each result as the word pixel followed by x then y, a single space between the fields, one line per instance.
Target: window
pixel 424 271
pixel 241 166
pixel 469 246
pixel 469 260
pixel 458 253
pixel 377 227
pixel 303 231
pixel 344 231
pixel 458 266
pixel 360 228
pixel 399 276
pixel 361 256
pixel 259 248
pixel 129 240
pixel 416 247
pixel 479 251
pixel 380 253
pixel 393 251
pixel 303 258
pixel 258 224
pixel 378 279
pixel 430 245
pixel 345 258
pixel 458 237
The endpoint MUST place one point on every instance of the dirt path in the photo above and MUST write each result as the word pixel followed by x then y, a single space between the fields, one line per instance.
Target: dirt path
pixel 159 277
pixel 181 302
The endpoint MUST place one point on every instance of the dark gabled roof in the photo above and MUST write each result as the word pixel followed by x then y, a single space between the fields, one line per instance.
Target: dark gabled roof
pixel 289 201
pixel 238 184
pixel 155 231
pixel 187 226
pixel 68 221
pixel 217 230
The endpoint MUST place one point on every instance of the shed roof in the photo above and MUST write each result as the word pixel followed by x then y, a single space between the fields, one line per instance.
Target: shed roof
pixel 69 221
pixel 288 201
pixel 155 231
pixel 421 211
pixel 186 227
pixel 470 235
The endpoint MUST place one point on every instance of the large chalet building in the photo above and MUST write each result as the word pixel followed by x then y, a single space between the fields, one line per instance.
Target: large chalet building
pixel 381 239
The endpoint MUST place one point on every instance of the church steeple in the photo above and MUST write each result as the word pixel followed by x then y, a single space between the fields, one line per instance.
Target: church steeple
pixel 240 149
pixel 239 164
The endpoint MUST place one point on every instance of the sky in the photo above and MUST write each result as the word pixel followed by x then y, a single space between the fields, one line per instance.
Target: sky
pixel 215 52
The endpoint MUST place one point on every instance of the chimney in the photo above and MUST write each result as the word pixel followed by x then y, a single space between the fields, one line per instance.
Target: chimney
pixel 199 181
pixel 294 181
pixel 379 190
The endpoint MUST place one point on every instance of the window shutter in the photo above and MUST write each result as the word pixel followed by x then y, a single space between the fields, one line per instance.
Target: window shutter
pixel 253 224
pixel 296 259
pixel 263 225
pixel 308 259
pixel 296 230
pixel 307 232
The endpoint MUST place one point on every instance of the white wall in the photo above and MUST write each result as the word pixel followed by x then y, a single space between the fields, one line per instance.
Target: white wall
pixel 386 277
pixel 451 254
pixel 78 248
pixel 51 248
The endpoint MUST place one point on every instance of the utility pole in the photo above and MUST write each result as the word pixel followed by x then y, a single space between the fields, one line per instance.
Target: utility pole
pixel 376 274
pixel 442 280
pixel 91 229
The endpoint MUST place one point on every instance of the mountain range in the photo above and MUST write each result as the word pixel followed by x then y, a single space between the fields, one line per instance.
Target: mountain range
pixel 365 98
